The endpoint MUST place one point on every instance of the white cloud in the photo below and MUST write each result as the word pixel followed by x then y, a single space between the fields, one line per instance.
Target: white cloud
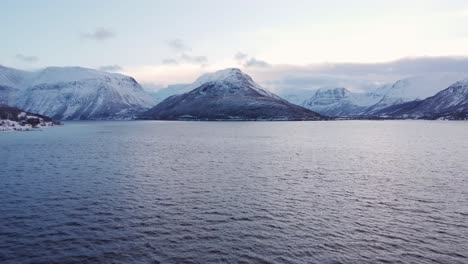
pixel 252 62
pixel 240 57
pixel 277 78
pixel 170 61
pixel 178 45
pixel 26 58
pixel 110 68
pixel 194 59
pixel 100 34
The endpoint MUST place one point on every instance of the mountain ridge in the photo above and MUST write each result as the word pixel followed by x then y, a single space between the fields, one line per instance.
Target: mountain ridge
pixel 74 93
pixel 228 95
pixel 450 103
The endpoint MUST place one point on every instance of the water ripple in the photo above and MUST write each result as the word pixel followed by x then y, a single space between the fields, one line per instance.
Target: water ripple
pixel 183 192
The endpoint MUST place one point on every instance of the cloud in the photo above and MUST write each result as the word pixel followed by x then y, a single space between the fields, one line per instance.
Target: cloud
pixel 186 59
pixel 100 34
pixel 26 58
pixel 252 62
pixel 161 75
pixel 110 68
pixel 152 87
pixel 184 54
pixel 405 66
pixel 178 45
pixel 240 57
pixel 284 82
pixel 283 78
pixel 246 61
pixel 193 59
pixel 354 76
pixel 170 61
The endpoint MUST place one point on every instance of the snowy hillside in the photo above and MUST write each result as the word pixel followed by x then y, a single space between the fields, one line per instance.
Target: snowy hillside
pixel 450 103
pixel 414 88
pixel 340 102
pixel 228 95
pixel 220 77
pixel 296 96
pixel 10 81
pixel 12 77
pixel 74 93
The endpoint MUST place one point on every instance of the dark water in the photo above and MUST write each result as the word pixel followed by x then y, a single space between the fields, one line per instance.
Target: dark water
pixel 236 192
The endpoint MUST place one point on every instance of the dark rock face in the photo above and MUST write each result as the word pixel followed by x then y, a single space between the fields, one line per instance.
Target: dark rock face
pixel 451 103
pixel 228 95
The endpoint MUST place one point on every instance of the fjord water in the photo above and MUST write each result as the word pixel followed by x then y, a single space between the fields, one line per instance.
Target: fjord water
pixel 231 192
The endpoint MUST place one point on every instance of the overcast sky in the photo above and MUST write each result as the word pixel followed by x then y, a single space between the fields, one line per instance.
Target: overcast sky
pixel 166 42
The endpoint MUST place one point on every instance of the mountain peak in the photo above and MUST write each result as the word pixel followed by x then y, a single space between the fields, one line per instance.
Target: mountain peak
pixel 225 75
pixel 228 80
pixel 220 81
pixel 228 94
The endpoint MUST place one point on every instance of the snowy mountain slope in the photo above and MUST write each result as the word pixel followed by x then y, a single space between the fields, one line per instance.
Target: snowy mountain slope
pixel 228 95
pixel 228 78
pixel 413 88
pixel 296 96
pixel 10 82
pixel 219 76
pixel 340 102
pixel 7 95
pixel 77 93
pixel 12 77
pixel 451 103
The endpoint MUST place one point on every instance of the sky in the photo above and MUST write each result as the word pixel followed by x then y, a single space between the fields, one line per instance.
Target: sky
pixel 296 43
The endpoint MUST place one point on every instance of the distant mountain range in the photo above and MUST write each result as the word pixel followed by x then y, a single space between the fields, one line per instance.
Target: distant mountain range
pixel 380 102
pixel 228 95
pixel 73 93
pixel 450 103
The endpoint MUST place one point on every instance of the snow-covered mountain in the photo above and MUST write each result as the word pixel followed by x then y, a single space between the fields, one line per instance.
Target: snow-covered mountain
pixel 451 103
pixel 73 93
pixel 7 94
pixel 228 95
pixel 296 96
pixel 174 89
pixel 10 81
pixel 413 88
pixel 340 102
pixel 12 77
pixel 344 103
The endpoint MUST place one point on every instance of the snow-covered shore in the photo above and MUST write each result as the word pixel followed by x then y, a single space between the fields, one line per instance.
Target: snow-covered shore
pixel 9 125
pixel 14 119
